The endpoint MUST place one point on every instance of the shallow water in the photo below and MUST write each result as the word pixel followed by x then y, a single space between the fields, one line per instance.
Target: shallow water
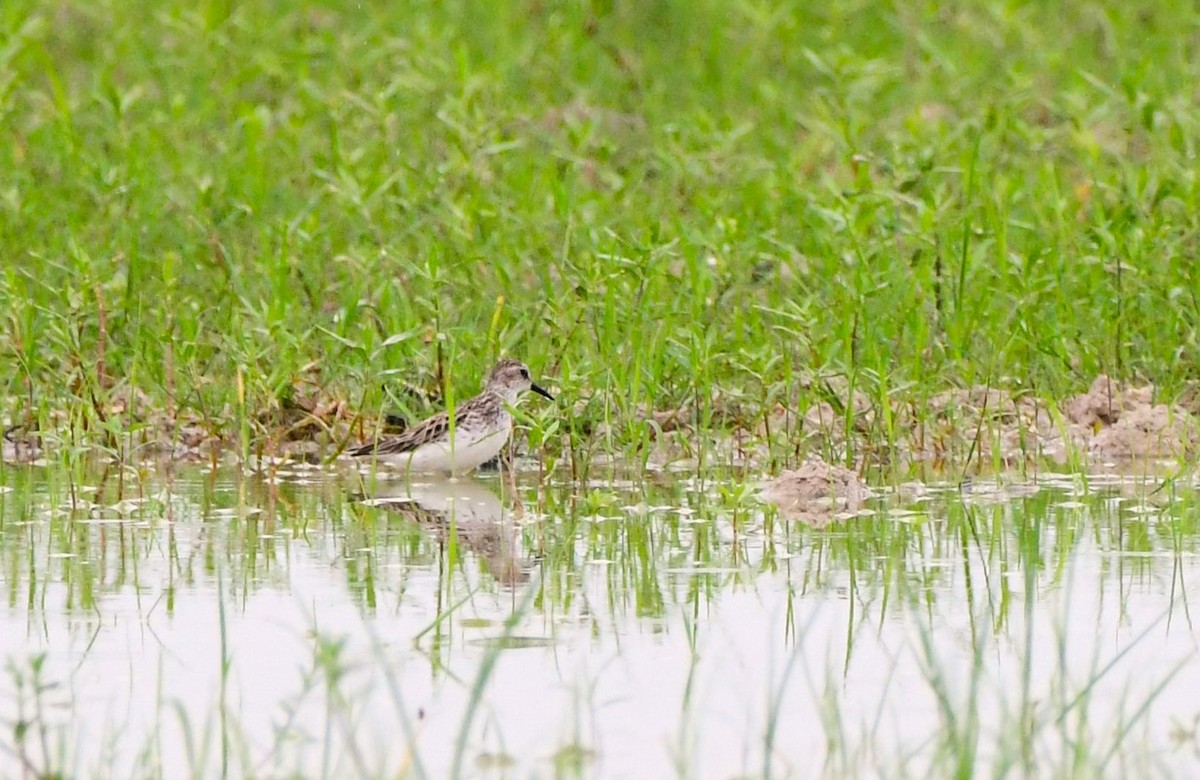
pixel 182 621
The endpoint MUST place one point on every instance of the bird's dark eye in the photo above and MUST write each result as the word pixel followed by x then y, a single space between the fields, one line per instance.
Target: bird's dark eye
pixel 524 373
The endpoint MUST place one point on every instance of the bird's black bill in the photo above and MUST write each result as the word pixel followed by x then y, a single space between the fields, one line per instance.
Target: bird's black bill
pixel 540 391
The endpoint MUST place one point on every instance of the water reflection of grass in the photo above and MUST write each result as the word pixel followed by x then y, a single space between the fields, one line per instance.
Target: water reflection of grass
pixel 1010 569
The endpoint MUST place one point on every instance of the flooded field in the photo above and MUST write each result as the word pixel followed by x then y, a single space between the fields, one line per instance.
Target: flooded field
pixel 322 623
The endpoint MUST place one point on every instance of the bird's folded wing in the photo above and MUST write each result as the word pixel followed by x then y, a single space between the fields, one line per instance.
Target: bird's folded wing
pixel 428 431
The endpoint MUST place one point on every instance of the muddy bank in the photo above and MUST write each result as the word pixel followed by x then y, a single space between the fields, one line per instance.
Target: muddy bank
pixel 1112 421
pixel 308 425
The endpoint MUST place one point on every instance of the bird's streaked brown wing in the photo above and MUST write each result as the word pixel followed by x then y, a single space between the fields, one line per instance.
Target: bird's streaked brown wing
pixel 429 430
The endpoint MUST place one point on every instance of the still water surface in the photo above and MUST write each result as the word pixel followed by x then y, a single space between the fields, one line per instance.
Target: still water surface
pixel 190 622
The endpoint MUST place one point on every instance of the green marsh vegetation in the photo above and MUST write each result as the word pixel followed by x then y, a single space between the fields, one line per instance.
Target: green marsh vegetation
pixel 267 225
pixel 220 211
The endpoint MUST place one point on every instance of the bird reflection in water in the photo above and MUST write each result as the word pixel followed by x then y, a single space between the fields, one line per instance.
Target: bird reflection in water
pixel 479 520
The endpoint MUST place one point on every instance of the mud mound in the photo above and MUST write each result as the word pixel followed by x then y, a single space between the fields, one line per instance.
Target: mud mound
pixel 1106 401
pixel 816 493
pixel 1111 421
pixel 1114 420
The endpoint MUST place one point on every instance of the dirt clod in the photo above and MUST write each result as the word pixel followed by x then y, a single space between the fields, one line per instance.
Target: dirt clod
pixel 817 492
pixel 1115 420
pixel 1105 401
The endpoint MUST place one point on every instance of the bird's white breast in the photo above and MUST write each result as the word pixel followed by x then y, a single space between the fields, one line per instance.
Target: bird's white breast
pixel 468 449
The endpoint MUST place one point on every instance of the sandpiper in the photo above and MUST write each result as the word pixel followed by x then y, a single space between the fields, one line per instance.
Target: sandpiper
pixel 481 428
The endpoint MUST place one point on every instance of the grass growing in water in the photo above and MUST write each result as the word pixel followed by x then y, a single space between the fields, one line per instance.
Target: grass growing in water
pixel 971 631
pixel 224 206
pixel 217 213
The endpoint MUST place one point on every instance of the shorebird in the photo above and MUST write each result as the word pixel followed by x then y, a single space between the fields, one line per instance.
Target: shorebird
pixel 481 428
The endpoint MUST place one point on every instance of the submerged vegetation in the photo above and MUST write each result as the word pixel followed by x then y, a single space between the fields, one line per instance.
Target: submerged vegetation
pixel 929 242
pixel 260 219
